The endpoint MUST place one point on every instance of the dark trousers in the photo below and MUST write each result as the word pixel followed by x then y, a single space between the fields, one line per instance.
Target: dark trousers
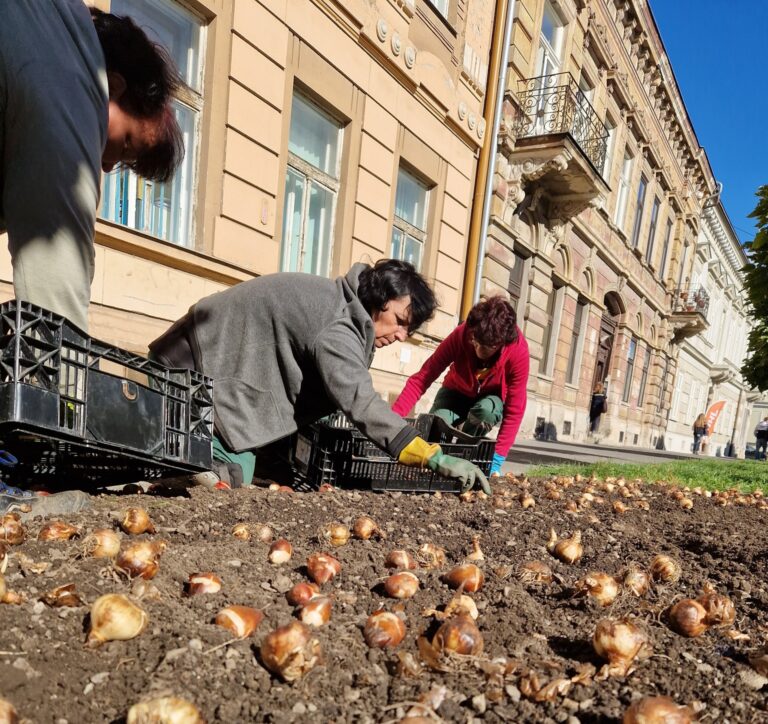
pixel 478 415
pixel 761 443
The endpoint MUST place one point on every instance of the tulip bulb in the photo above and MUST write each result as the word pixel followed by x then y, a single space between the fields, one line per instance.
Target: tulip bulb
pixel 401 585
pixel 114 617
pixel 601 587
pixel 720 609
pixel 337 534
pixel 280 552
pixel 301 593
pixel 527 501
pixel 58 530
pixel 535 572
pixel 141 559
pixel 242 621
pixel 688 618
pixel 322 567
pixel 164 710
pixel 461 604
pixel 11 529
pixel 637 581
pixel 568 550
pixel 365 528
pixel 290 651
pixel 657 710
pixel 3 558
pixel 8 713
pixel 383 630
pixel 460 635
pixel 432 556
pixel 136 521
pixel 62 597
pixel 263 532
pixel 400 559
pixel 467 577
pixel 620 642
pixel 664 569
pixel 316 612
pixel 476 554
pixel 241 531
pixel 203 583
pixel 102 543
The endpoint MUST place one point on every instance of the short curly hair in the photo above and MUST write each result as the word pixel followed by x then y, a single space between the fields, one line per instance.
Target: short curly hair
pixel 493 322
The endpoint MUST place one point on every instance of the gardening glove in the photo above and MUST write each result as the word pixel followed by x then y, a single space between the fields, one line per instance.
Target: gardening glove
pixel 417 452
pixel 496 464
pixel 463 470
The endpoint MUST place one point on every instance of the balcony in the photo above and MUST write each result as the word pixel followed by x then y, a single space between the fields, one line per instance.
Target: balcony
pixel 689 311
pixel 557 141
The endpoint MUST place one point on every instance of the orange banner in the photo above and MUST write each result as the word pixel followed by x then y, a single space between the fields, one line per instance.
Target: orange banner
pixel 712 414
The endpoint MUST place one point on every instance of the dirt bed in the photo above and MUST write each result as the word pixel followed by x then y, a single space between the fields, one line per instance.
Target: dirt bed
pixel 49 676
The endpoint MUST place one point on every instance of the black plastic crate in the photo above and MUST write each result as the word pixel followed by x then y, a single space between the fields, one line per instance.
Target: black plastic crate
pixel 75 411
pixel 334 451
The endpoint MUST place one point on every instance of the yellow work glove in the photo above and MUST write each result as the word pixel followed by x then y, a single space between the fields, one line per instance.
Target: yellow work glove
pixel 417 452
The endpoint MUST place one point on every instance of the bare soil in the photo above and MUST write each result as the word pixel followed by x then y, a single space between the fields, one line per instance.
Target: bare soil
pixel 49 676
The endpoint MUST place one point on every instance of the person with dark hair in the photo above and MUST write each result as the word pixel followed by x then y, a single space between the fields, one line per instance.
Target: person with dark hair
pixel 285 350
pixel 81 91
pixel 487 379
pixel 598 406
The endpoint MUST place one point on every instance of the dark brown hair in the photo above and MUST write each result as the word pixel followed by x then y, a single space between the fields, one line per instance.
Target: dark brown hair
pixel 493 322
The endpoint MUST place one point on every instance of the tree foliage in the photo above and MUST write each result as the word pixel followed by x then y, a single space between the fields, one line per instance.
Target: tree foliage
pixel 755 369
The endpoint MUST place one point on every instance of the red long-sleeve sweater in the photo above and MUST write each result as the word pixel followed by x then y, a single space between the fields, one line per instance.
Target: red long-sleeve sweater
pixel 507 379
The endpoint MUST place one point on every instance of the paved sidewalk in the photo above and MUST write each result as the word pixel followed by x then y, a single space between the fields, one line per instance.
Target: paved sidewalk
pixel 527 453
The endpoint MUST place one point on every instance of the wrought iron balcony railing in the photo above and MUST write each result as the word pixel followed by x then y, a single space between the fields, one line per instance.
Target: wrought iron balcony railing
pixel 691 299
pixel 555 104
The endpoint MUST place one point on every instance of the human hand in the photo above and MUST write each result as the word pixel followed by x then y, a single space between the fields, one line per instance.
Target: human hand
pixel 464 470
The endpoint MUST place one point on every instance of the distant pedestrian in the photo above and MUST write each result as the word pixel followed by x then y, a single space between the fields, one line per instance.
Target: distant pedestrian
pixel 761 439
pixel 699 430
pixel 597 406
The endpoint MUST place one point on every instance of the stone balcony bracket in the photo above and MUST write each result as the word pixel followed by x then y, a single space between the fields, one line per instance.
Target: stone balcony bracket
pixel 690 307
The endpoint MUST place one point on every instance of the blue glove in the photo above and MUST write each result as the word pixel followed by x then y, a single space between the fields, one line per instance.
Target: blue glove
pixel 496 464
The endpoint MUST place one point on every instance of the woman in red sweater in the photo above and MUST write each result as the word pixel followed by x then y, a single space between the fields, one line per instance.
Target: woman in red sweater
pixel 487 381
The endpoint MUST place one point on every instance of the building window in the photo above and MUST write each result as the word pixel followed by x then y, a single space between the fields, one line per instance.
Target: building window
pixel 663 385
pixel 641 189
pixel 665 250
pixel 516 287
pixel 566 427
pixel 409 227
pixel 311 189
pixel 635 438
pixel 610 126
pixel 621 436
pixel 630 370
pixel 550 41
pixel 441 6
pixel 163 210
pixel 652 230
pixel 644 377
pixel 554 311
pixel 623 193
pixel 577 342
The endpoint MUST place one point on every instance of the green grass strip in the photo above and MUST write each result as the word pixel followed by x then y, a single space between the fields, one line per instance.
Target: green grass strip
pixel 711 474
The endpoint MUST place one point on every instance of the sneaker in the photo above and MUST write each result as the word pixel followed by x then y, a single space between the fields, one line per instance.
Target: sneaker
pixel 29 504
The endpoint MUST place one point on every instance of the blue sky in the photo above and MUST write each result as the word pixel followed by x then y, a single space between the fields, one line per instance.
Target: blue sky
pixel 717 51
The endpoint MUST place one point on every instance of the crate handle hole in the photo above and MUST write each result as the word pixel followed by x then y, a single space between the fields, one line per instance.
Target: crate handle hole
pixel 129 390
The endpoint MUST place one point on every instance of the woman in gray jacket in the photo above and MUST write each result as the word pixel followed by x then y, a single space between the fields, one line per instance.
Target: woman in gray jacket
pixel 285 350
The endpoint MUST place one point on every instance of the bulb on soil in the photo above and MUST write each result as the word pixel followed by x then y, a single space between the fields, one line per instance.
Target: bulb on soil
pixel 164 710
pixel 8 713
pixel 58 530
pixel 568 550
pixel 432 556
pixel 114 617
pixel 242 531
pixel 599 586
pixel 657 710
pixel 301 593
pixel 383 630
pixel 136 521
pixel 688 618
pixel 11 529
pixel 400 559
pixel 401 585
pixel 535 572
pixel 141 560
pixel 720 609
pixel 102 543
pixel 322 567
pixel 242 621
pixel 460 635
pixel 316 611
pixel 637 581
pixel 620 642
pixel 280 552
pixel 62 597
pixel 203 583
pixel 664 569
pixel 366 528
pixel 476 554
pixel 467 577
pixel 337 534
pixel 290 651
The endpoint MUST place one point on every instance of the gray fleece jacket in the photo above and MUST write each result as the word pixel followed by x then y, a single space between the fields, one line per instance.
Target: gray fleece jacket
pixel 285 350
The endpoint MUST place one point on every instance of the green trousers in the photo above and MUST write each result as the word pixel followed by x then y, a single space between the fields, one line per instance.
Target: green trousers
pixel 226 459
pixel 479 415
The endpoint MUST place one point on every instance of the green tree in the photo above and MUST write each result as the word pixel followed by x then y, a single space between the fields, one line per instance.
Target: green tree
pixel 755 369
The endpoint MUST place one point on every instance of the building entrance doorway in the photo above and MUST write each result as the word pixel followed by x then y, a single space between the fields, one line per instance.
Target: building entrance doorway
pixel 608 325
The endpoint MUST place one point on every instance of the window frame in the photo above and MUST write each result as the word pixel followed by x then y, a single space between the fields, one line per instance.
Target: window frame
pixel 554 315
pixel 644 376
pixel 578 333
pixel 665 248
pixel 405 227
pixel 642 190
pixel 630 371
pixel 625 184
pixel 655 209
pixel 311 175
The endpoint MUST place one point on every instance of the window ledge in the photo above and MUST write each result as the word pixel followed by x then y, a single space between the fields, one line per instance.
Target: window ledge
pixel 545 377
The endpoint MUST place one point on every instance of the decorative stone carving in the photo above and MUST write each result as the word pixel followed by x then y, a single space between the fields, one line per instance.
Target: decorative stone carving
pixel 410 57
pixel 462 110
pixel 472 121
pixel 382 29
pixel 481 128
pixel 530 169
pixel 396 44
